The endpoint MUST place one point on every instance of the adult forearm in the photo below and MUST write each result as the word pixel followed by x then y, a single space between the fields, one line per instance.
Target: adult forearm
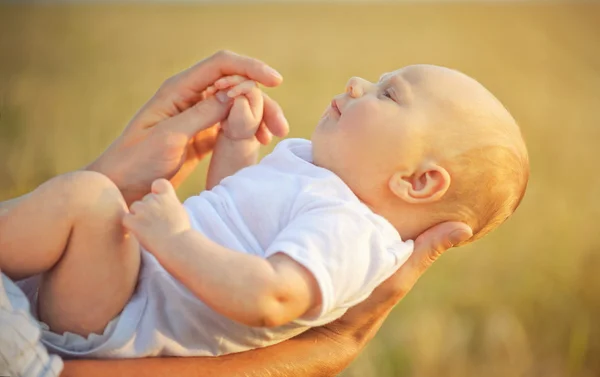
pixel 311 354
pixel 115 165
pixel 230 156
pixel 237 285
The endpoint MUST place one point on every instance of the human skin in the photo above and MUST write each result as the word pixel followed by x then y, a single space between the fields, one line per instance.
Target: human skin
pixel 319 352
pixel 323 351
pixel 406 127
pixel 236 146
pixel 175 128
pixel 162 137
pixel 390 120
pixel 267 292
pixel 70 250
pixel 171 133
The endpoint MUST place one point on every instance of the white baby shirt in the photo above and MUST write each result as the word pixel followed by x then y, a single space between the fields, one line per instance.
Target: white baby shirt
pixel 283 204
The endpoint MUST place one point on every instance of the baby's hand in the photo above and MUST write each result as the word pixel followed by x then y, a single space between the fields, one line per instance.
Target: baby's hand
pixel 158 217
pixel 246 113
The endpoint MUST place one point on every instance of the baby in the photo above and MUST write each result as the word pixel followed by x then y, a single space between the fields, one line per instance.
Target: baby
pixel 275 248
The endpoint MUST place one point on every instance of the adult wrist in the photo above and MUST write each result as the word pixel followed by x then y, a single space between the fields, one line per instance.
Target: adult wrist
pixel 111 163
pixel 106 165
pixel 342 348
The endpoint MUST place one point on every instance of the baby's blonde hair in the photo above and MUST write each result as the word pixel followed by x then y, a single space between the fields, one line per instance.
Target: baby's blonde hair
pixel 489 169
pixel 488 184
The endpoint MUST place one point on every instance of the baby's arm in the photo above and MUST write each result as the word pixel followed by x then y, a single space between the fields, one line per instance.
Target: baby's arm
pixel 245 288
pixel 236 146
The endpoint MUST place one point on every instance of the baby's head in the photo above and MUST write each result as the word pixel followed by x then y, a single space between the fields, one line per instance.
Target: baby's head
pixel 424 145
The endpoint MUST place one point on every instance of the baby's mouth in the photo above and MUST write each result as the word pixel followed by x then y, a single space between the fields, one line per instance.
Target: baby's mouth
pixel 335 107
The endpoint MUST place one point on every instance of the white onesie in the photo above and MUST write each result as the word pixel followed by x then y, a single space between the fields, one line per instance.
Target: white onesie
pixel 283 204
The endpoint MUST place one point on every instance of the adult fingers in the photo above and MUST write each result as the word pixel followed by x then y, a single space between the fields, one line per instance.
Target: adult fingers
pixel 435 241
pixel 204 142
pixel 274 118
pixel 182 89
pixel 199 117
pixel 263 135
pixel 428 247
pixel 227 63
pixel 187 88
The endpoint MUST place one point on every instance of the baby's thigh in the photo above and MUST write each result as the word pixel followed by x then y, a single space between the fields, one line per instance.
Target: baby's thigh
pixel 98 271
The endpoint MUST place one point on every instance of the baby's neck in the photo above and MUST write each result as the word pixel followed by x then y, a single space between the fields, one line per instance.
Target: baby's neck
pixel 410 220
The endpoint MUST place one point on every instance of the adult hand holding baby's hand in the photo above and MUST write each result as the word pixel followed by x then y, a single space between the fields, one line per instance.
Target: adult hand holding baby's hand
pixel 174 130
pixel 157 218
pixel 246 113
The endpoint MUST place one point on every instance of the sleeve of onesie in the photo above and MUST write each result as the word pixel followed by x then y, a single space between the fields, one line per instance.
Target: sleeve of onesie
pixel 344 250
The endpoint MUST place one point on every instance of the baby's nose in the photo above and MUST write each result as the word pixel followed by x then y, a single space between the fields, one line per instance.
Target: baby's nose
pixel 356 87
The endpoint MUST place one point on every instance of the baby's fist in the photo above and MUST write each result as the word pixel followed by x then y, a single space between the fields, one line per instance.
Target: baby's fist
pixel 157 217
pixel 246 113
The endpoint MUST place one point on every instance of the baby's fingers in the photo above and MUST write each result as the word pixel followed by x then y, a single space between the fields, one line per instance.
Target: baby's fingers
pixel 242 123
pixel 210 90
pixel 229 81
pixel 131 222
pixel 253 109
pixel 224 83
pixel 243 88
pixel 162 186
pixel 137 208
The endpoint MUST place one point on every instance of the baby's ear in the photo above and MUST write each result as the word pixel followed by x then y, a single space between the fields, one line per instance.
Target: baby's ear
pixel 426 185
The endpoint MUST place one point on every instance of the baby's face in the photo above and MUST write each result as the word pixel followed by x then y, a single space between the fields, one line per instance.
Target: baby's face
pixel 410 119
pixel 374 128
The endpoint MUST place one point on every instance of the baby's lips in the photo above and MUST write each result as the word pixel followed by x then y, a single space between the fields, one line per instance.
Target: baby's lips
pixel 335 107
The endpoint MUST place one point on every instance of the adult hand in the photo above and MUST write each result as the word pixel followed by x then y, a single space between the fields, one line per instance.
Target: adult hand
pixel 174 130
pixel 360 323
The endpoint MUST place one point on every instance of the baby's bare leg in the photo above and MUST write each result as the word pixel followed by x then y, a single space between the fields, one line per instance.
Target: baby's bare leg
pixel 70 230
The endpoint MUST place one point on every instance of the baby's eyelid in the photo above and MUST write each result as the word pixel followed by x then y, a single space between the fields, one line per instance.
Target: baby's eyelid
pixel 389 93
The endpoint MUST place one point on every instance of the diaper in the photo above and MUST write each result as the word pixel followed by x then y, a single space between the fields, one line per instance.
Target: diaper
pixel 72 345
pixel 68 344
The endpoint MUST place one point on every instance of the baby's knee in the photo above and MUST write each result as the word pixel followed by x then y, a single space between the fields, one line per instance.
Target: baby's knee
pixel 87 191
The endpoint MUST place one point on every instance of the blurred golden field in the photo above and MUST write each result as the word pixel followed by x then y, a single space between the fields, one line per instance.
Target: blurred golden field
pixel 525 301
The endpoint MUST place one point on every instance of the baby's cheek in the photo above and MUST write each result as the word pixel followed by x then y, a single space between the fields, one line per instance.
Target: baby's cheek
pixel 366 114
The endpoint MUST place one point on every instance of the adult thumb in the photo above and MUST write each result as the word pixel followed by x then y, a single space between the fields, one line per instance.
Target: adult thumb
pixel 436 240
pixel 199 117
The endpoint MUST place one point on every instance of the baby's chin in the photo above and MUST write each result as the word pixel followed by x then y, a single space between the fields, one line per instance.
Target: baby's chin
pixel 327 121
pixel 325 114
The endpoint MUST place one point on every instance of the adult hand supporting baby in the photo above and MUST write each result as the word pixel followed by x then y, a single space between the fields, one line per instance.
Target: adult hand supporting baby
pixel 175 128
pixel 319 352
pixel 362 322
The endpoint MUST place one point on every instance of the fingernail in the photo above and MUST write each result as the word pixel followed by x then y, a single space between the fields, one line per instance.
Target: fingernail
pixel 222 97
pixel 273 72
pixel 457 237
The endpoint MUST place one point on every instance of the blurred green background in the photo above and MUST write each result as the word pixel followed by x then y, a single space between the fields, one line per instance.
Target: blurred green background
pixel 525 301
